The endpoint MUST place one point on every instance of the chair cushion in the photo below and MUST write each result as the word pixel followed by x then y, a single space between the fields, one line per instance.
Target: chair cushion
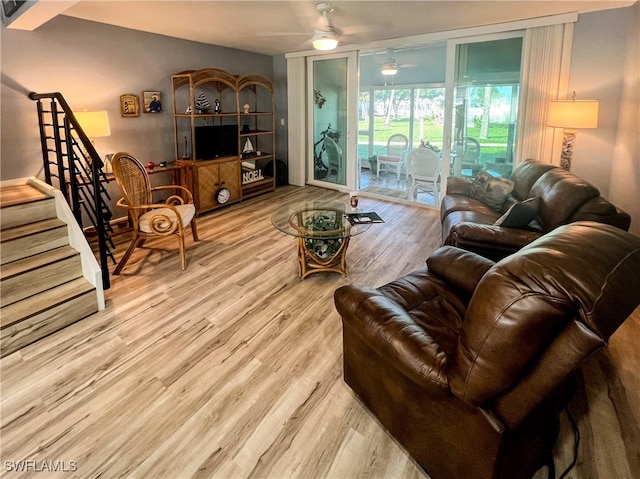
pixel 491 191
pixel 519 215
pixel 186 213
pixel 393 158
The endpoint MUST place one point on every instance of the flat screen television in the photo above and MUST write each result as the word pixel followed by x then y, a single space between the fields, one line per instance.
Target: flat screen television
pixel 216 140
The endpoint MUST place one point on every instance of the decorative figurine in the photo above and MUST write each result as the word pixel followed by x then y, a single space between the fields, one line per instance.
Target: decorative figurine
pixel 246 108
pixel 202 103
pixel 216 108
pixel 186 152
pixel 151 165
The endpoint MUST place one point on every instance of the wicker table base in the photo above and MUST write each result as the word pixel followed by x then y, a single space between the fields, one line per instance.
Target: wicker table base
pixel 309 263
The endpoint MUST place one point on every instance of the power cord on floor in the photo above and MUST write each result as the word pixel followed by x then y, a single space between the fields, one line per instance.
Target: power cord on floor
pixel 576 439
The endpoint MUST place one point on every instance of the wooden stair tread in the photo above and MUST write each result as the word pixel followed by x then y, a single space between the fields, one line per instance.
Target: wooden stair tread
pixel 36 261
pixel 11 234
pixel 48 299
pixel 18 194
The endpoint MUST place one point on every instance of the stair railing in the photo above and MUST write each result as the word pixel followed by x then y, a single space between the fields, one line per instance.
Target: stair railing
pixel 70 159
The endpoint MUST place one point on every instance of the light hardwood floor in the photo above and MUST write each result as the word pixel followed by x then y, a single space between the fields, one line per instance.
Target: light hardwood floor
pixel 233 368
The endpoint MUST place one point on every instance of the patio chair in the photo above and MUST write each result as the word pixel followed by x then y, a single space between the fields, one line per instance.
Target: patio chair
pixel 393 154
pixel 471 155
pixel 150 219
pixel 423 168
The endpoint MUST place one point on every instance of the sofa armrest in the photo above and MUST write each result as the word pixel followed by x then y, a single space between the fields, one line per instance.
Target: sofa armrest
pixel 390 331
pixel 458 186
pixel 497 237
pixel 459 268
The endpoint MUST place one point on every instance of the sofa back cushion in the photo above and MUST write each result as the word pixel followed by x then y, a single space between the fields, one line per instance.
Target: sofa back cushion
pixel 525 175
pixel 561 195
pixel 579 272
pixel 600 210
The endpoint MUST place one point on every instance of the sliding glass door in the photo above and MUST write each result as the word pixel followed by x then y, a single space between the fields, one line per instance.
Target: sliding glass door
pixel 483 104
pixel 331 92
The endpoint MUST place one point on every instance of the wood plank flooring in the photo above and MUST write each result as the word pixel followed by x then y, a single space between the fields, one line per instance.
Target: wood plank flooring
pixel 233 368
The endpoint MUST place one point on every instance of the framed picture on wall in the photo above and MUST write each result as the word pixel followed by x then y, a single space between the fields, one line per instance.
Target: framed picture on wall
pixel 152 102
pixel 129 105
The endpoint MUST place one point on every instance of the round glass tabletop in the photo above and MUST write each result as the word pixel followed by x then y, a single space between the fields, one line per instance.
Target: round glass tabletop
pixel 317 219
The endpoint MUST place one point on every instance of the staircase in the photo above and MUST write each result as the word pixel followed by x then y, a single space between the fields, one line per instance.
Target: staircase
pixel 42 287
pixel 72 165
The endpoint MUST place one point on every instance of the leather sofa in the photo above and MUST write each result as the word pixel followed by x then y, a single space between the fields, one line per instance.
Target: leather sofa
pixel 561 197
pixel 467 363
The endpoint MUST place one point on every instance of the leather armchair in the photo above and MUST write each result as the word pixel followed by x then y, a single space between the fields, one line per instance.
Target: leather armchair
pixel 467 363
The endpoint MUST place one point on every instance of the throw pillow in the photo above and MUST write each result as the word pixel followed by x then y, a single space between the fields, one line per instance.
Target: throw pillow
pixel 520 214
pixel 491 191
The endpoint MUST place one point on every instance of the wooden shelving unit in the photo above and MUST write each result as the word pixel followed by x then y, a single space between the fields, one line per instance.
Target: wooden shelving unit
pixel 212 164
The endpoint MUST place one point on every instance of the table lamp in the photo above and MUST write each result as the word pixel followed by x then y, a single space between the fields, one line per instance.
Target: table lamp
pixel 571 115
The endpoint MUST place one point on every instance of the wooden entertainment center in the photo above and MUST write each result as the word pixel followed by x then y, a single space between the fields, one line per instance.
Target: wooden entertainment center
pixel 224 134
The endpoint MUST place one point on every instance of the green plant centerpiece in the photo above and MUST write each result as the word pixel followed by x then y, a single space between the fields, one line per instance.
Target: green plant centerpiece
pixel 323 248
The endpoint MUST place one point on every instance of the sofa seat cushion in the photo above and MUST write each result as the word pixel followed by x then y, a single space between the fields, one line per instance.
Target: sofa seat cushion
pixel 451 203
pixel 413 323
pixel 478 217
pixel 431 304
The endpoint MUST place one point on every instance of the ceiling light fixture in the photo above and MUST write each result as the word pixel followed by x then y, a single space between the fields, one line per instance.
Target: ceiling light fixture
pixel 390 67
pixel 326 36
pixel 325 40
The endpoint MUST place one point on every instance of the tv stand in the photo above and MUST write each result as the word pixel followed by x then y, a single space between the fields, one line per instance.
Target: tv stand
pixel 220 101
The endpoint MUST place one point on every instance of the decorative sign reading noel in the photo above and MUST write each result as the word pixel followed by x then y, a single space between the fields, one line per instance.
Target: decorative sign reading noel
pixel 249 176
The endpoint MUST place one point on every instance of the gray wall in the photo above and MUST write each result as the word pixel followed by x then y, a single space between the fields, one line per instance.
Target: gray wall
pixel 92 64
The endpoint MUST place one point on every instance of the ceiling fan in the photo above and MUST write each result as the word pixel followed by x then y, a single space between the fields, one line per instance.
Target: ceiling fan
pixel 325 34
pixel 390 66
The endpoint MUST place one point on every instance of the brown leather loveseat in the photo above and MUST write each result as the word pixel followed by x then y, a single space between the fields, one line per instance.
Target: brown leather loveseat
pixel 467 363
pixel 555 197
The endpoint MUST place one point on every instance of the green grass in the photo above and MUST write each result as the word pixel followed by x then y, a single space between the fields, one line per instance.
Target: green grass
pixel 498 132
pixel 431 132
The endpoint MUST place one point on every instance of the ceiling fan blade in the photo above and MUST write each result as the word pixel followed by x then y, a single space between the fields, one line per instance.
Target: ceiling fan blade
pixel 280 34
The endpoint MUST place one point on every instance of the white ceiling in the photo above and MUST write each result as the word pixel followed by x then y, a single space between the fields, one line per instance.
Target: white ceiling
pixel 276 27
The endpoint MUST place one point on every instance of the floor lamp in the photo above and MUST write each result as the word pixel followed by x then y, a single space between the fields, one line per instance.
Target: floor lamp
pixel 95 124
pixel 571 115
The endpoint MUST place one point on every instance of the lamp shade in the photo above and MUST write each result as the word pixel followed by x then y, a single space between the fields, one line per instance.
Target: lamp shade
pixel 573 114
pixel 325 40
pixel 94 123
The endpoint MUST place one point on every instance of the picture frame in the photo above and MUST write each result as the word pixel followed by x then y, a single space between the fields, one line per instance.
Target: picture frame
pixel 129 105
pixel 152 101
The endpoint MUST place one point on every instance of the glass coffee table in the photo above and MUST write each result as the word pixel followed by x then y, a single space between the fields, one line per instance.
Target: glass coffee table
pixel 322 231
